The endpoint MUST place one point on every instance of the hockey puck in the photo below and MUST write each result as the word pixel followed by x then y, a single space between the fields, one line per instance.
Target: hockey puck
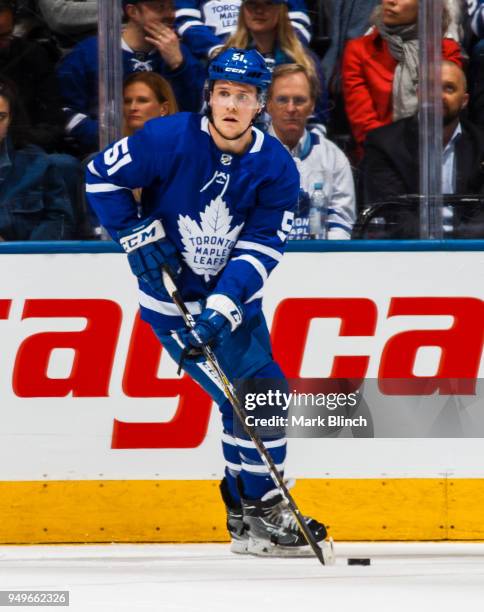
pixel 359 561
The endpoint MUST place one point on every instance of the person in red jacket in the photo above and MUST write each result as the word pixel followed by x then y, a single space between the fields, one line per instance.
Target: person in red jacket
pixel 380 69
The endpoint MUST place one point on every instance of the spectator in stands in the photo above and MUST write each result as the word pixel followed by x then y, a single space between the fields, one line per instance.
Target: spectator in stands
pixel 71 19
pixel 56 24
pixel 266 27
pixel 457 21
pixel 380 69
pixel 476 15
pixel 391 162
pixel 28 65
pixel 33 200
pixel 205 24
pixel 149 44
pixel 291 101
pixel 349 19
pixel 146 95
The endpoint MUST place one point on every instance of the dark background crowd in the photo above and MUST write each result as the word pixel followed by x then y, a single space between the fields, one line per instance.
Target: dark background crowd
pixel 344 101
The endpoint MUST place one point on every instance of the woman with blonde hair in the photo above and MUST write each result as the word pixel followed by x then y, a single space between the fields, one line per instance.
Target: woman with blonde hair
pixel 265 26
pixel 146 95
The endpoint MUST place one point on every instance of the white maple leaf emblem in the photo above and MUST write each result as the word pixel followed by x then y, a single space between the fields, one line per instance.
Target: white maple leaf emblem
pixel 208 244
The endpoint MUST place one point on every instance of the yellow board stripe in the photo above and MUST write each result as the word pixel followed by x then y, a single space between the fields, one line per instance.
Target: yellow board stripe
pixel 192 511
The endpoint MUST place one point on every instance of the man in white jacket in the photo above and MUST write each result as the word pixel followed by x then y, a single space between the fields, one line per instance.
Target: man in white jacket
pixel 290 103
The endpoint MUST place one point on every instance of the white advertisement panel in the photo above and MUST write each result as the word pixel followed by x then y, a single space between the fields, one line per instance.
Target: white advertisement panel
pixel 87 393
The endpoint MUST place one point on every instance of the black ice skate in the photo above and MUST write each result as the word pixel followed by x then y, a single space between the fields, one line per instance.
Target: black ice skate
pixel 235 523
pixel 273 530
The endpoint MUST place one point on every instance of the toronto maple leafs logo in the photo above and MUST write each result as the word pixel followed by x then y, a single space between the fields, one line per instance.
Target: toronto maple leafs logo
pixel 208 244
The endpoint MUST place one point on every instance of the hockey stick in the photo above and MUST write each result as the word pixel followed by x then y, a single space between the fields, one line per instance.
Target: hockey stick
pixel 325 554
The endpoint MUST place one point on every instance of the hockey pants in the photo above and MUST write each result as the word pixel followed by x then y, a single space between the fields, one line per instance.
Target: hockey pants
pixel 246 354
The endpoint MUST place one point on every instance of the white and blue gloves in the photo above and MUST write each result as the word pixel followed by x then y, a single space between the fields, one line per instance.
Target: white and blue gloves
pixel 148 251
pixel 221 316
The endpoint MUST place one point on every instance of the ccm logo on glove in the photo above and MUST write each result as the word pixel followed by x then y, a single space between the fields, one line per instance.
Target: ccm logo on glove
pixel 142 235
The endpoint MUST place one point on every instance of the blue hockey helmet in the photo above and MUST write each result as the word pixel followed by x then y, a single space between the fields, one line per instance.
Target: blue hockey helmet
pixel 241 65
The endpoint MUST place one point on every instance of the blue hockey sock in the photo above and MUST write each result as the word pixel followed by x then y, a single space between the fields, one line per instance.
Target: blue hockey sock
pixel 255 487
pixel 254 475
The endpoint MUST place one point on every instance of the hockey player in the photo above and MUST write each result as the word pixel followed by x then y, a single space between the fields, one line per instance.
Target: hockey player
pixel 217 206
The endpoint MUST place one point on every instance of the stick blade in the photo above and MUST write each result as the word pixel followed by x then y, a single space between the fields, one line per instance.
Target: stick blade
pixel 329 554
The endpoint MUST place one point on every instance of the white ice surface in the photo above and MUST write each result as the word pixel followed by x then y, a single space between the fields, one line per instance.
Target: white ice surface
pixel 434 577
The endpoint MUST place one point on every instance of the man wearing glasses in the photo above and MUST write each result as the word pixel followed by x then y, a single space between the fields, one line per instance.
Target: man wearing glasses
pixel 291 100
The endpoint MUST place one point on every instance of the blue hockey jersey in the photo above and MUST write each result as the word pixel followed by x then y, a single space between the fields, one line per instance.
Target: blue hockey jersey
pixel 205 24
pixel 78 76
pixel 228 215
pixel 476 14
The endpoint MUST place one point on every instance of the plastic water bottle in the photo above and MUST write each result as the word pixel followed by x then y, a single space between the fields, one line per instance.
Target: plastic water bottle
pixel 318 212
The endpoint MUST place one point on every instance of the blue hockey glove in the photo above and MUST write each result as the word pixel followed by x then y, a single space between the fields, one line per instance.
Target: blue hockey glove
pixel 221 316
pixel 148 250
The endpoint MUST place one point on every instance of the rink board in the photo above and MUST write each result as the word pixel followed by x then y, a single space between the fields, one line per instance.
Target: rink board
pixel 191 511
pixel 100 441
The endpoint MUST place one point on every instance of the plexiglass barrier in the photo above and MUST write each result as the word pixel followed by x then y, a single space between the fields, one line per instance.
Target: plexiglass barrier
pixel 84 114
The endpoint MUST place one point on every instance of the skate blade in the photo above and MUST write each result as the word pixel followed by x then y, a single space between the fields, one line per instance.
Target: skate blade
pixel 240 547
pixel 264 548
